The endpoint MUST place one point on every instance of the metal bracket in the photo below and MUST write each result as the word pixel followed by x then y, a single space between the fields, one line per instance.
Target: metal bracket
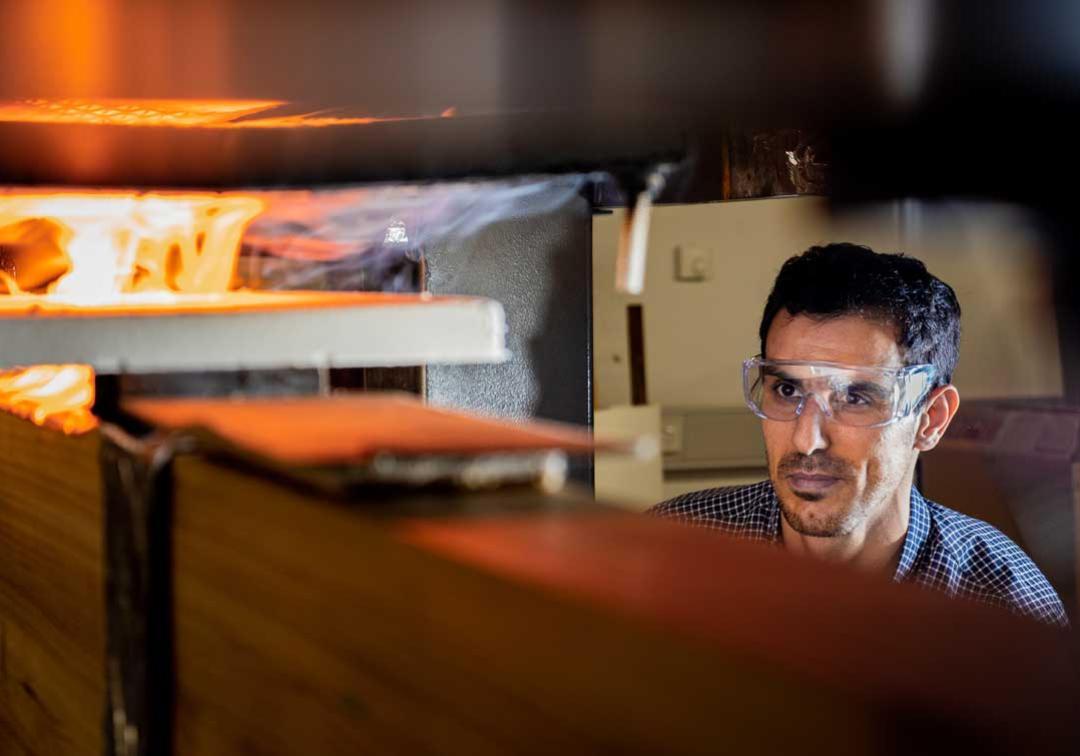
pixel 140 675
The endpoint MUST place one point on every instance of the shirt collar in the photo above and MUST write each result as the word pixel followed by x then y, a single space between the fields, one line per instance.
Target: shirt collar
pixel 917 533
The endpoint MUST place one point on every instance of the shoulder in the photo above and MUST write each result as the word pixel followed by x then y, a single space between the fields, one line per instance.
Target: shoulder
pixel 738 510
pixel 975 559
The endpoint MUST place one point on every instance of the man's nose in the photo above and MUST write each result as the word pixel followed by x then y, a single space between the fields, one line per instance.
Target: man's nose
pixel 810 433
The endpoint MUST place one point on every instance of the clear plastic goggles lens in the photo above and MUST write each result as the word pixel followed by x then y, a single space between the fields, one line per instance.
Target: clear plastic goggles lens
pixel 781 390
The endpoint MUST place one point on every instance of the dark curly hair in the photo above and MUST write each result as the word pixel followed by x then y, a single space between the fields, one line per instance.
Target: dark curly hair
pixel 849 279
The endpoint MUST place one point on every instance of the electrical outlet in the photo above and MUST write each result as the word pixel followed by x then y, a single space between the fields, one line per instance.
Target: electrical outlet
pixel 692 263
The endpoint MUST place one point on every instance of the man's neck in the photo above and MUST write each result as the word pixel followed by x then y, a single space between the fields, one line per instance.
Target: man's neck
pixel 874 546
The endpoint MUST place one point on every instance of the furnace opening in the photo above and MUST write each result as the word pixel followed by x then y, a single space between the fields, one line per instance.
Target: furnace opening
pixel 89 248
pixel 180 269
pixel 95 248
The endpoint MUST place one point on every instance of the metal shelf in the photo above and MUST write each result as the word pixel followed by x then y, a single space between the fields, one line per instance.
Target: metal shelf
pixel 252 330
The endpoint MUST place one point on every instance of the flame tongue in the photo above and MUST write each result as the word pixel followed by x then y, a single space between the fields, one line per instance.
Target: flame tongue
pixel 95 248
pixel 56 396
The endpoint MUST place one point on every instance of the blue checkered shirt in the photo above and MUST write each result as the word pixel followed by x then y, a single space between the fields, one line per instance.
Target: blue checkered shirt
pixel 943 549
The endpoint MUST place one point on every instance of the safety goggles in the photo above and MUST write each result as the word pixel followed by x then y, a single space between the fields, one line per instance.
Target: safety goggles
pixel 865 397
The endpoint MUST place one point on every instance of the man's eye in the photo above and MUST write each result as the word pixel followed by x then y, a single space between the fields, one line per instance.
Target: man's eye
pixel 857 399
pixel 785 390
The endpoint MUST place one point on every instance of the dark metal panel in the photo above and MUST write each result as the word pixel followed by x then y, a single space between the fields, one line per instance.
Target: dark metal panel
pixel 394 57
pixel 1062 236
pixel 734 163
pixel 538 263
pixel 436 148
pixel 925 88
pixel 774 163
pixel 140 675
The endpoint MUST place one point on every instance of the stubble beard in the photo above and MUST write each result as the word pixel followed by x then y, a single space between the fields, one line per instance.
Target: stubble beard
pixel 831 525
pixel 812 521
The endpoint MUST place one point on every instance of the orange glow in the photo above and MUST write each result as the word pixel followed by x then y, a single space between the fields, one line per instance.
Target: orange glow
pixel 216 114
pixel 132 112
pixel 165 303
pixel 55 396
pixel 65 45
pixel 104 244
pixel 70 250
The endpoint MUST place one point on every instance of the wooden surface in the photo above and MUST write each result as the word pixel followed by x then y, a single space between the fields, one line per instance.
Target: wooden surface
pixel 303 627
pixel 304 624
pixel 51 593
pixel 315 627
pixel 893 646
pixel 353 427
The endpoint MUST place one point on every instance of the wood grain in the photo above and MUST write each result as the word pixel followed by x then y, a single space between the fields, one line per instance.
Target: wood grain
pixel 352 428
pixel 900 646
pixel 305 627
pixel 51 592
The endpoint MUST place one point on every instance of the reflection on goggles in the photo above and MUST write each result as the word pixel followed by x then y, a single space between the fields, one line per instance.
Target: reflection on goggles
pixel 851 395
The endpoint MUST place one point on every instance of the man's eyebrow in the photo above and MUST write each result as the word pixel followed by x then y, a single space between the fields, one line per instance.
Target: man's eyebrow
pixel 779 373
pixel 868 387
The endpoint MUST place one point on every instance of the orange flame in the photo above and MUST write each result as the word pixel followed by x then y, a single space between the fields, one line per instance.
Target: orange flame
pixel 93 248
pixel 55 396
pixel 215 114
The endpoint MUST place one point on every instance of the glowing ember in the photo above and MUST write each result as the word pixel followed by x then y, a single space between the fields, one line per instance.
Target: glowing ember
pixel 216 114
pixel 87 249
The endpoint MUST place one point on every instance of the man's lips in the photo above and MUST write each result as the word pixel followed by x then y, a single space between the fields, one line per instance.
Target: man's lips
pixel 811 481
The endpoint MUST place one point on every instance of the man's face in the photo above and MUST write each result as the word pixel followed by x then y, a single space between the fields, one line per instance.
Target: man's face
pixel 829 477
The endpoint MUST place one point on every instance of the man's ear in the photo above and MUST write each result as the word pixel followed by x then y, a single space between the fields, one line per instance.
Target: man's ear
pixel 941 406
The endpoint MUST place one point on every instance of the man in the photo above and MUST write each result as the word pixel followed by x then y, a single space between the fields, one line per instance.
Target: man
pixel 853 383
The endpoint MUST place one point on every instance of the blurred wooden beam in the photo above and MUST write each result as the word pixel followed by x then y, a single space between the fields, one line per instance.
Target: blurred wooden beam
pixel 306 623
pixel 52 621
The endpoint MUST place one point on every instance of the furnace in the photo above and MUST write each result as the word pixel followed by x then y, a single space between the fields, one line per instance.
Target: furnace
pixel 226 225
pixel 147 318
pixel 147 282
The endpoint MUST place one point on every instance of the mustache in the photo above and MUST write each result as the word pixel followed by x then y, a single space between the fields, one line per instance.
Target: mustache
pixel 814 464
